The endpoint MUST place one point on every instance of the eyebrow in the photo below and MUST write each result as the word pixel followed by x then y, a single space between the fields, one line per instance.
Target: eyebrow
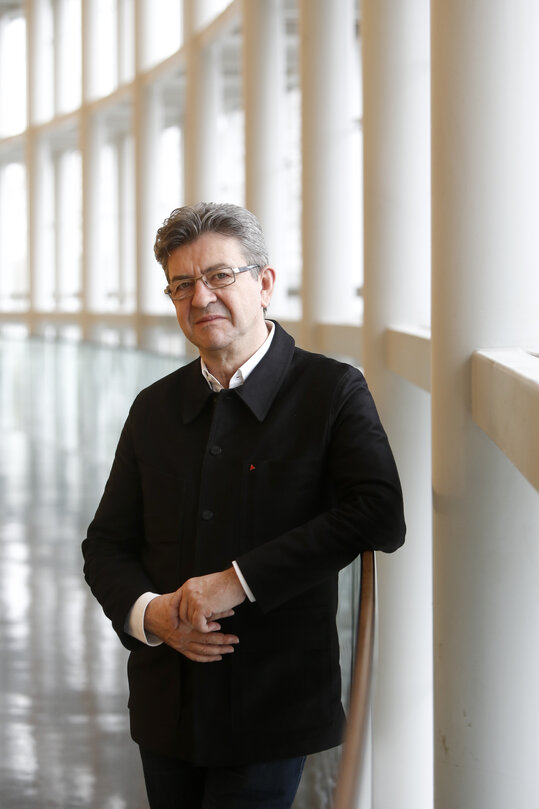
pixel 217 266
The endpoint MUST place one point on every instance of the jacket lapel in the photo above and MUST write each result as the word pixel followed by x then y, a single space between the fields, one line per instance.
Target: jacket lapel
pixel 257 393
pixel 264 382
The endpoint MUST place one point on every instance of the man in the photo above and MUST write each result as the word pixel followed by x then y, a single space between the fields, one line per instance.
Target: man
pixel 242 483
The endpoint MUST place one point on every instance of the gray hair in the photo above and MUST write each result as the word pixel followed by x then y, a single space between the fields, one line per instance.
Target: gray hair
pixel 187 224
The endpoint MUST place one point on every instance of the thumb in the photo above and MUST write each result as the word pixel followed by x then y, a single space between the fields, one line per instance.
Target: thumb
pixel 175 600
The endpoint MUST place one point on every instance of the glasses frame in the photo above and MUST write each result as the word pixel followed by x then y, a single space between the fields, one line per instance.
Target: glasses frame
pixel 202 277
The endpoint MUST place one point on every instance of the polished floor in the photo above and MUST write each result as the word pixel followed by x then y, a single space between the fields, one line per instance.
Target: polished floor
pixel 64 739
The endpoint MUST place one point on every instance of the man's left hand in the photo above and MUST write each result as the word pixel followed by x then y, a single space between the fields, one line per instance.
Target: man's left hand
pixel 205 599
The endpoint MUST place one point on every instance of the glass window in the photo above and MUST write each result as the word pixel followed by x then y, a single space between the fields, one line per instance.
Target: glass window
pixel 354 145
pixel 68 221
pixel 168 144
pixel 14 280
pixel 112 266
pixel 103 47
pixel 231 166
pixel 43 65
pixel 12 73
pixel 214 65
pixel 230 186
pixel 67 36
pixel 162 22
pixel 164 167
pixel 291 271
pixel 211 9
pixel 58 238
pixel 111 45
pixel 126 41
pixel 57 58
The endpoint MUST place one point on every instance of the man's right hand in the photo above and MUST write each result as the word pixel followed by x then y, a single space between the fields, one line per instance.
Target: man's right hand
pixel 162 619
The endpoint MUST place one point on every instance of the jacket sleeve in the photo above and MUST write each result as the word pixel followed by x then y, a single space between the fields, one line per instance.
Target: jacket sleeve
pixel 112 565
pixel 366 511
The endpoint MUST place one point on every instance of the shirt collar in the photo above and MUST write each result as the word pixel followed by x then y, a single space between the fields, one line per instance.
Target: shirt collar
pixel 244 370
pixel 257 393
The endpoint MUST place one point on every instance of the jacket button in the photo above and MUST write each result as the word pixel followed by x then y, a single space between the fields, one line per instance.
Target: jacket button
pixel 207 514
pixel 215 450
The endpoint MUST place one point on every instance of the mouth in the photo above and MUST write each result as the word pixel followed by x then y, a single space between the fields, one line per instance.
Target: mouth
pixel 209 318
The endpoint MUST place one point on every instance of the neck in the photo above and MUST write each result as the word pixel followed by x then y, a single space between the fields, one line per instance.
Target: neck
pixel 221 372
pixel 224 363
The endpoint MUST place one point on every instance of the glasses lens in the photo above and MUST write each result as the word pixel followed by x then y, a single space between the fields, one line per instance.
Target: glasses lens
pixel 219 278
pixel 212 279
pixel 182 289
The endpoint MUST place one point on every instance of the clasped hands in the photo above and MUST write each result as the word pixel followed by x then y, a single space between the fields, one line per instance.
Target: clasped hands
pixel 188 619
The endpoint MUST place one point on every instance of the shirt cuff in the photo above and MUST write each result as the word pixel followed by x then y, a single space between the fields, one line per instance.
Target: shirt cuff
pixel 247 589
pixel 134 623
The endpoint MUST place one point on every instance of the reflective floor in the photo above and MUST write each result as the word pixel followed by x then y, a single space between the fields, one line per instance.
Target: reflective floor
pixel 64 739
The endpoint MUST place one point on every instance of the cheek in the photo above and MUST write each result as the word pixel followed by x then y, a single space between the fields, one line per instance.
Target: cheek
pixel 181 316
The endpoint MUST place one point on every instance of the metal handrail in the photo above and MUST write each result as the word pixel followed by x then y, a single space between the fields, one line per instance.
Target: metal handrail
pixel 353 755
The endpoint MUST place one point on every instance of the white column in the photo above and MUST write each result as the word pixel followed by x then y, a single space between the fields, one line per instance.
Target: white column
pixel 149 122
pixel 88 157
pixel 202 104
pixel 145 121
pixel 264 90
pixel 32 185
pixel 395 47
pixel 326 44
pixel 485 82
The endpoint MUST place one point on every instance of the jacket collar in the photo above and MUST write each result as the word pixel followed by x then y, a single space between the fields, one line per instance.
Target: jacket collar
pixel 259 390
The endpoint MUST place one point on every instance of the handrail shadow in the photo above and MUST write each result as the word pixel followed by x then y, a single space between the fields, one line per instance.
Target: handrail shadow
pixel 351 766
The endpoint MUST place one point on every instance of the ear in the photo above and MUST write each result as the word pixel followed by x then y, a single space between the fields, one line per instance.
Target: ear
pixel 267 281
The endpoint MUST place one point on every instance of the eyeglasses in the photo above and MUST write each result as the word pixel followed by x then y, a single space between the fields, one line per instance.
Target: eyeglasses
pixel 213 279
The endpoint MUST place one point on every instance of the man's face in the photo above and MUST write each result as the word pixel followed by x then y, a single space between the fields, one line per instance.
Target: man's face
pixel 229 320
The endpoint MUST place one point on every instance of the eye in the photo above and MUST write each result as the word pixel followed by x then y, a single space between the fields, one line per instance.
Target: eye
pixel 218 276
pixel 182 286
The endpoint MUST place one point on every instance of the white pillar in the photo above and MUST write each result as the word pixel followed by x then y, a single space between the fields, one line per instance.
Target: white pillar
pixel 142 186
pixel 485 82
pixel 264 90
pixel 148 114
pixel 32 185
pixel 395 47
pixel 326 37
pixel 88 150
pixel 202 105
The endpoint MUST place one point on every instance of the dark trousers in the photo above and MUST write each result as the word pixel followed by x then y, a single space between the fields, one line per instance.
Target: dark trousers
pixel 174 784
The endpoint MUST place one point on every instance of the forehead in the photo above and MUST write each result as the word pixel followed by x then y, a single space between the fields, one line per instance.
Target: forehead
pixel 208 250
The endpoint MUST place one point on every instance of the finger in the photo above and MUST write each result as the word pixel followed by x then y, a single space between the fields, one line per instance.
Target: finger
pixel 212 626
pixel 175 599
pixel 205 623
pixel 216 639
pixel 201 658
pixel 210 651
pixel 202 653
pixel 196 617
pixel 209 623
pixel 201 650
pixel 218 615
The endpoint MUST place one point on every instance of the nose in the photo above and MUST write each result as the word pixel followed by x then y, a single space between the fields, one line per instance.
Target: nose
pixel 202 295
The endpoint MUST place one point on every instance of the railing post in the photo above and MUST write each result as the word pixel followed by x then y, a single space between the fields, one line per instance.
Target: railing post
pixel 352 766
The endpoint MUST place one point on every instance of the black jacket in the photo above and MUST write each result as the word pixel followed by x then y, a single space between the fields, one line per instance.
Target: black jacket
pixel 291 475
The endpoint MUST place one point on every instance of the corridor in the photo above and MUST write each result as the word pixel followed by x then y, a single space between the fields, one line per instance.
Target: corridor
pixel 64 739
pixel 64 736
